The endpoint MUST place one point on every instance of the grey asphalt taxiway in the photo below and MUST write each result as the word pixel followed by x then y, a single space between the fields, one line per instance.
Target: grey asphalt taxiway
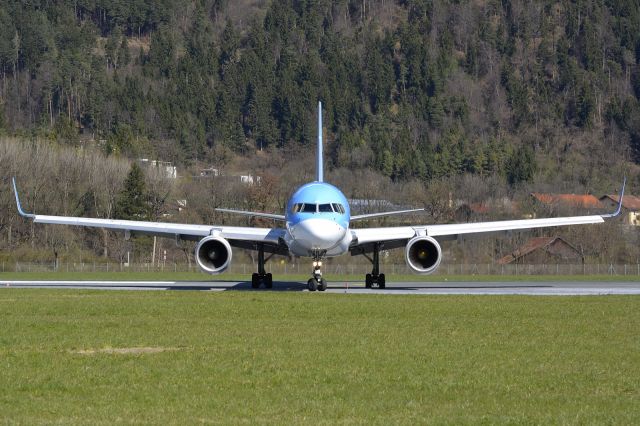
pixel 533 288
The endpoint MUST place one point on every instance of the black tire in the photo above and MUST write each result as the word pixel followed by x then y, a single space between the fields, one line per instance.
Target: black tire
pixel 368 281
pixel 323 284
pixel 255 280
pixel 382 282
pixel 268 281
pixel 312 284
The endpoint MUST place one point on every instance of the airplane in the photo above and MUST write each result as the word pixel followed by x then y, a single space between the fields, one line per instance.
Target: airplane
pixel 316 225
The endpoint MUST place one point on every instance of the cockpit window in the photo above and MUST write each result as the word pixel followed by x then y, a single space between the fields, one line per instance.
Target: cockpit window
pixel 317 208
pixel 339 208
pixel 308 208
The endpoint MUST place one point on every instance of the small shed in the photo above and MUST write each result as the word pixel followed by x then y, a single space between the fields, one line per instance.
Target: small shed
pixel 544 250
pixel 473 212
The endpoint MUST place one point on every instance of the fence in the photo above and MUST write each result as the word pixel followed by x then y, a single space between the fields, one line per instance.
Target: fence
pixel 337 269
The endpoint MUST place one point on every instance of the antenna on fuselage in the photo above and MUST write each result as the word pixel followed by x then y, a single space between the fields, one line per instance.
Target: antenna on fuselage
pixel 319 165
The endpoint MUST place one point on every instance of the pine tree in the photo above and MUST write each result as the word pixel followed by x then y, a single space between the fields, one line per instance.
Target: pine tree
pixel 521 166
pixel 132 200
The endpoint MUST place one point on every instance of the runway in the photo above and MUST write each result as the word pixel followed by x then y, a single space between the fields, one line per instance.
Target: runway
pixel 550 288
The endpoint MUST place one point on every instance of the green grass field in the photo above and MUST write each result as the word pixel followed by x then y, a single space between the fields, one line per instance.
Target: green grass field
pixel 182 357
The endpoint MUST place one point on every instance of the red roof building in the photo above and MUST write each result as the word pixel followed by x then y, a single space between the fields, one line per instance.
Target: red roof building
pixel 543 250
pixel 588 202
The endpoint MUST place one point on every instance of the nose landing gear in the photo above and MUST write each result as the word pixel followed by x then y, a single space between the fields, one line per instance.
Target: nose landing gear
pixel 316 282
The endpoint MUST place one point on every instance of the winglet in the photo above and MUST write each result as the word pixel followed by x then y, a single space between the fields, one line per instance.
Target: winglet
pixel 619 209
pixel 20 211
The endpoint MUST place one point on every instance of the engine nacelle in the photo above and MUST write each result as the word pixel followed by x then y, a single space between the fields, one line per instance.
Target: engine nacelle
pixel 213 254
pixel 423 254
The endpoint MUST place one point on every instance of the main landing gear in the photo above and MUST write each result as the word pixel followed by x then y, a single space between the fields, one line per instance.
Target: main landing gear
pixel 316 282
pixel 261 277
pixel 375 277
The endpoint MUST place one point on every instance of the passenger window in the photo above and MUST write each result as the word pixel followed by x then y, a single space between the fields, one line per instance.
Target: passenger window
pixel 308 208
pixel 325 208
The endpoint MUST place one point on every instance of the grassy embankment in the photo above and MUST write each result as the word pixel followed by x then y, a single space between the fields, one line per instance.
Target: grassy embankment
pixel 96 357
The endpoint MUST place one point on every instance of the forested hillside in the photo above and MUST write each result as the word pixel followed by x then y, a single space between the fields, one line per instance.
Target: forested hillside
pixel 411 88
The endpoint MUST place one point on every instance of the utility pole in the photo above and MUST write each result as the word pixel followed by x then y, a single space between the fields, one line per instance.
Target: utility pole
pixel 153 255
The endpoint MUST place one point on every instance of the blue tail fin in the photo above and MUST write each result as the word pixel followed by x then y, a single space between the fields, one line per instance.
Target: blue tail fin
pixel 319 166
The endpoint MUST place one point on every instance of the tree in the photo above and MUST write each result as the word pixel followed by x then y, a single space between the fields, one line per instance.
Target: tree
pixel 585 106
pixel 379 75
pixel 132 200
pixel 521 166
pixel 111 47
pixel 163 50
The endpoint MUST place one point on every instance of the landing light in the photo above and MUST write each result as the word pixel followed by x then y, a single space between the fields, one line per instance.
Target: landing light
pixel 315 263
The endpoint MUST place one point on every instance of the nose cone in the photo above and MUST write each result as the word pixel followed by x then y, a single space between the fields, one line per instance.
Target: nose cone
pixel 318 234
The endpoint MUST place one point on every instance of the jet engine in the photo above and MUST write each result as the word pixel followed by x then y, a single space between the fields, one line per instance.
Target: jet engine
pixel 213 254
pixel 423 254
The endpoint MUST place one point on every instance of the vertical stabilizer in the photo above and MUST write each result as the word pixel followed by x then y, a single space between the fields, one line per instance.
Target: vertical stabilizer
pixel 319 166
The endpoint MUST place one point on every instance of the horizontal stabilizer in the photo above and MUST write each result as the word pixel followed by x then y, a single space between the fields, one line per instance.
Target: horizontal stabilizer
pixel 374 215
pixel 255 214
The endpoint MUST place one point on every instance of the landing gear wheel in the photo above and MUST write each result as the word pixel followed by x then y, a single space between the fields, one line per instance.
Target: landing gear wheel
pixel 261 277
pixel 268 280
pixel 323 284
pixel 375 277
pixel 368 281
pixel 312 284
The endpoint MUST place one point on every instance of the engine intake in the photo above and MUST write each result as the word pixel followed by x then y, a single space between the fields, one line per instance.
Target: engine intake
pixel 423 254
pixel 213 254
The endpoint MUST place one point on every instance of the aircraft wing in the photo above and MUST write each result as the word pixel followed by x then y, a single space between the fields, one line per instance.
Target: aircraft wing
pixel 162 229
pixel 368 236
pixel 170 230
pixel 446 231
